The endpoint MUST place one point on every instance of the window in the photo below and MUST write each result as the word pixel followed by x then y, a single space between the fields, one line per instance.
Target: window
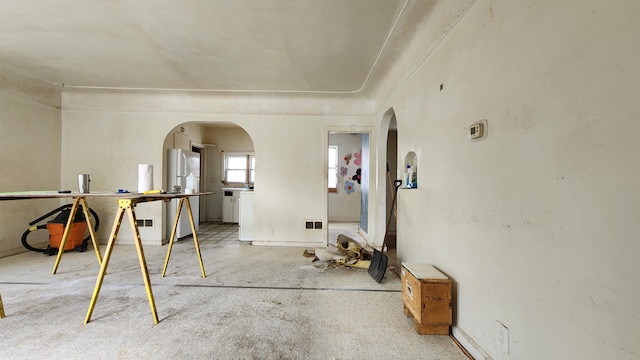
pixel 240 168
pixel 333 168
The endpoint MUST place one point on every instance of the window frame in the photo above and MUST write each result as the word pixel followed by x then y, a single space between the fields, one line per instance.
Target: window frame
pixel 249 167
pixel 329 167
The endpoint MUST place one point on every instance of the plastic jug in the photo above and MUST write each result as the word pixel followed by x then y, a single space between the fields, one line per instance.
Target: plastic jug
pixel 190 188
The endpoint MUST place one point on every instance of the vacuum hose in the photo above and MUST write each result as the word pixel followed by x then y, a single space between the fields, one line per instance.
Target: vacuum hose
pixel 48 250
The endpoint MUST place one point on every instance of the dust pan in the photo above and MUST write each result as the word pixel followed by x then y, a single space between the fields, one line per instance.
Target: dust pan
pixel 378 265
pixel 379 262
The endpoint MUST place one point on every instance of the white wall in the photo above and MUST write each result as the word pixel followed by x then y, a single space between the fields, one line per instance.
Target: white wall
pixel 127 129
pixel 109 147
pixel 29 154
pixel 537 224
pixel 345 206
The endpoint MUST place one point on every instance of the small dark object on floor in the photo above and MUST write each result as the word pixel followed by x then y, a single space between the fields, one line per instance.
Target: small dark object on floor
pixel 378 265
pixel 379 262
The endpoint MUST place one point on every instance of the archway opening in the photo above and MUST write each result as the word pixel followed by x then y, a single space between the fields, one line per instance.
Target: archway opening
pixel 217 146
pixel 388 166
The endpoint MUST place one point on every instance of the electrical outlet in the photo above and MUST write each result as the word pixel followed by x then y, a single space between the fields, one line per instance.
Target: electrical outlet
pixel 502 337
pixel 270 229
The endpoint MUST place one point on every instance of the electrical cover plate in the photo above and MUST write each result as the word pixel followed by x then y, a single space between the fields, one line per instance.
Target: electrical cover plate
pixel 502 337
pixel 475 131
pixel 478 130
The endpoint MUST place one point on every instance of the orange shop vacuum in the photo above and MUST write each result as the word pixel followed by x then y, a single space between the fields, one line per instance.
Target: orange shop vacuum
pixel 76 240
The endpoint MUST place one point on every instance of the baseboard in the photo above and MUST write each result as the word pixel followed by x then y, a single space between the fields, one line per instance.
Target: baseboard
pixel 344 220
pixel 472 347
pixel 363 233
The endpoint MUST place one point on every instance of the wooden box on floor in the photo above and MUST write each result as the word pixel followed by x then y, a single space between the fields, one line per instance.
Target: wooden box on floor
pixel 426 295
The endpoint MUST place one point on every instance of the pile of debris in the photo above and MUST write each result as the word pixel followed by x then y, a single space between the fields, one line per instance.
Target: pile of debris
pixel 346 252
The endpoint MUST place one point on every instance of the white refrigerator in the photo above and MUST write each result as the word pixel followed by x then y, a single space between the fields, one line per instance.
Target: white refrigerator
pixel 180 164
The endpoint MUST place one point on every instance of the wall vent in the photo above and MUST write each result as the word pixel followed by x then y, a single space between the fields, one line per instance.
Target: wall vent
pixel 144 223
pixel 312 224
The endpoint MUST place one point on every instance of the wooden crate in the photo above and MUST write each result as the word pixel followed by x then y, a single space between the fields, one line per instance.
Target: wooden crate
pixel 426 295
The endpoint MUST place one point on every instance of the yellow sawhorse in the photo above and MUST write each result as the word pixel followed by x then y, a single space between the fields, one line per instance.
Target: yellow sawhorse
pixel 1 308
pixel 74 209
pixel 182 201
pixel 127 205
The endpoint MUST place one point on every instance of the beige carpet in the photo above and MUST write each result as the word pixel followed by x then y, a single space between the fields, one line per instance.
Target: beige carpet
pixel 255 303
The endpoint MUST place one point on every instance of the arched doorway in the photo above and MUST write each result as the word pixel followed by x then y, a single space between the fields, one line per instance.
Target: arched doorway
pixel 388 146
pixel 213 142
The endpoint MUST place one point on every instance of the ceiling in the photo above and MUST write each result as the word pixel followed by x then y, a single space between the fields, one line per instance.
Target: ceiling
pixel 307 46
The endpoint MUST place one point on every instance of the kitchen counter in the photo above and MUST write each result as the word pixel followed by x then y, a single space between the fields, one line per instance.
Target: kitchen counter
pixel 236 189
pixel 246 216
pixel 231 203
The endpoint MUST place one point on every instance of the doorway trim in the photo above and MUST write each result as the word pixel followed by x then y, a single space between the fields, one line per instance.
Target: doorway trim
pixel 372 201
pixel 381 184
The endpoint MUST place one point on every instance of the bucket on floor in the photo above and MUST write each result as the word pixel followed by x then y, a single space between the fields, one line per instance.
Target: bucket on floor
pixel 76 233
